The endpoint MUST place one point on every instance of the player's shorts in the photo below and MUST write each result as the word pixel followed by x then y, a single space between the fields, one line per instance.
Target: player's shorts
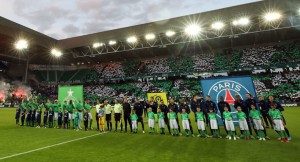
pixel 173 124
pixel 200 125
pixel 161 123
pixel 278 125
pixel 257 124
pixel 213 123
pixel 80 116
pixel 117 116
pixel 55 115
pixel 90 116
pixel 185 124
pixel 243 125
pixel 151 123
pixel 134 124
pixel 229 125
pixel 108 117
pixel 71 116
pixel 101 120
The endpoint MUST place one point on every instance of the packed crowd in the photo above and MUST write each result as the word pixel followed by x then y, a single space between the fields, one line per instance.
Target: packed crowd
pixel 252 116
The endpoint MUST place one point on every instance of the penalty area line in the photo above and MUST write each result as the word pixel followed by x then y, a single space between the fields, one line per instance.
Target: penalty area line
pixel 42 148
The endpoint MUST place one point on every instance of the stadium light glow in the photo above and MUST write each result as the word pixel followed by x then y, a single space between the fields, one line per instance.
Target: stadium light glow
pixel 150 36
pixel 112 42
pixel 132 39
pixel 170 33
pixel 217 25
pixel 241 22
pixel 272 16
pixel 55 52
pixel 192 30
pixel 97 45
pixel 21 44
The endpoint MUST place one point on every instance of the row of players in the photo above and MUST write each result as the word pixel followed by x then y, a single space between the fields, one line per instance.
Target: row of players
pixel 54 116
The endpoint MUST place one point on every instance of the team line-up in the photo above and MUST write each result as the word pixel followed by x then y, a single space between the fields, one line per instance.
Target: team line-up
pixel 250 113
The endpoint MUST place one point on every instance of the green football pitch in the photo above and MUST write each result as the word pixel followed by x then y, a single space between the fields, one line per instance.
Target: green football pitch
pixel 40 144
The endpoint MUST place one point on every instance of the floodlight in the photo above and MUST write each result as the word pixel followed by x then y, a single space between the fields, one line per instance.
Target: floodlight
pixel 170 33
pixel 150 36
pixel 21 44
pixel 112 42
pixel 132 39
pixel 243 21
pixel 192 30
pixel 55 52
pixel 272 16
pixel 218 25
pixel 97 45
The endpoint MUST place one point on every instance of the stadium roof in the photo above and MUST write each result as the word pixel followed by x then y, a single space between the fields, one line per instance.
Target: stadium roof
pixel 78 49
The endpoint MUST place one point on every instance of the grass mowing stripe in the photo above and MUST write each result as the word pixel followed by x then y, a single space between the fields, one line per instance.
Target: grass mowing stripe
pixel 26 152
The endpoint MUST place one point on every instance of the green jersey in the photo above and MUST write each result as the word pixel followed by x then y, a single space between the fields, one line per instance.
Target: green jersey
pixel 71 107
pixel 65 106
pixel 161 115
pixel 55 107
pixel 151 115
pixel 76 115
pixel 173 115
pixel 35 105
pixel 241 115
pixel 48 105
pixel 87 107
pixel 23 106
pixel 227 115
pixel 255 114
pixel 133 117
pixel 79 106
pixel 185 116
pixel 199 116
pixel 212 116
pixel 275 114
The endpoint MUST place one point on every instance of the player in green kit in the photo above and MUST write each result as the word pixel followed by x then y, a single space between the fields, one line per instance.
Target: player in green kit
pixel 55 107
pixel 134 119
pixel 185 122
pixel 76 119
pixel 88 108
pixel 173 122
pixel 161 121
pixel 256 119
pixel 151 120
pixel 200 123
pixel 71 112
pixel 243 123
pixel 278 123
pixel 79 107
pixel 213 123
pixel 227 116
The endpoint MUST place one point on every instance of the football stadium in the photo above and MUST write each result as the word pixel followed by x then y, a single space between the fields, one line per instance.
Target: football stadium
pixel 221 84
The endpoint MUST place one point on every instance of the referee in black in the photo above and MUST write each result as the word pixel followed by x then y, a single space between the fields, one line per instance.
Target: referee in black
pixel 126 112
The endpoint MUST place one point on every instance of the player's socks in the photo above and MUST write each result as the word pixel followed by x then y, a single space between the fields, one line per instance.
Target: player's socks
pixel 91 121
pixel 287 132
pixel 107 124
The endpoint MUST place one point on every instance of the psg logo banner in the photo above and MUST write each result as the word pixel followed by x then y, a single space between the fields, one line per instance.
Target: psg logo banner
pixel 228 88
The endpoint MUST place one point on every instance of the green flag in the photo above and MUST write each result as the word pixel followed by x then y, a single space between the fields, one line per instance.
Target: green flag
pixel 67 93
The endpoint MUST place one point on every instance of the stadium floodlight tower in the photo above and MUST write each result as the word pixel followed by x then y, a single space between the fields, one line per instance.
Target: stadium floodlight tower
pixel 22 46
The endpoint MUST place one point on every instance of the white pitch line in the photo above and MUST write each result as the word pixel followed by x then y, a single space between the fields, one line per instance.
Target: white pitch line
pixel 42 148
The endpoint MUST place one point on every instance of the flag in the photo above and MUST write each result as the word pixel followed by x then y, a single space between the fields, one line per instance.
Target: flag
pixel 158 97
pixel 66 93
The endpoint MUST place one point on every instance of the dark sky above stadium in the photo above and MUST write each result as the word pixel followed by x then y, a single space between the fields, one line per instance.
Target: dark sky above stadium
pixel 68 18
